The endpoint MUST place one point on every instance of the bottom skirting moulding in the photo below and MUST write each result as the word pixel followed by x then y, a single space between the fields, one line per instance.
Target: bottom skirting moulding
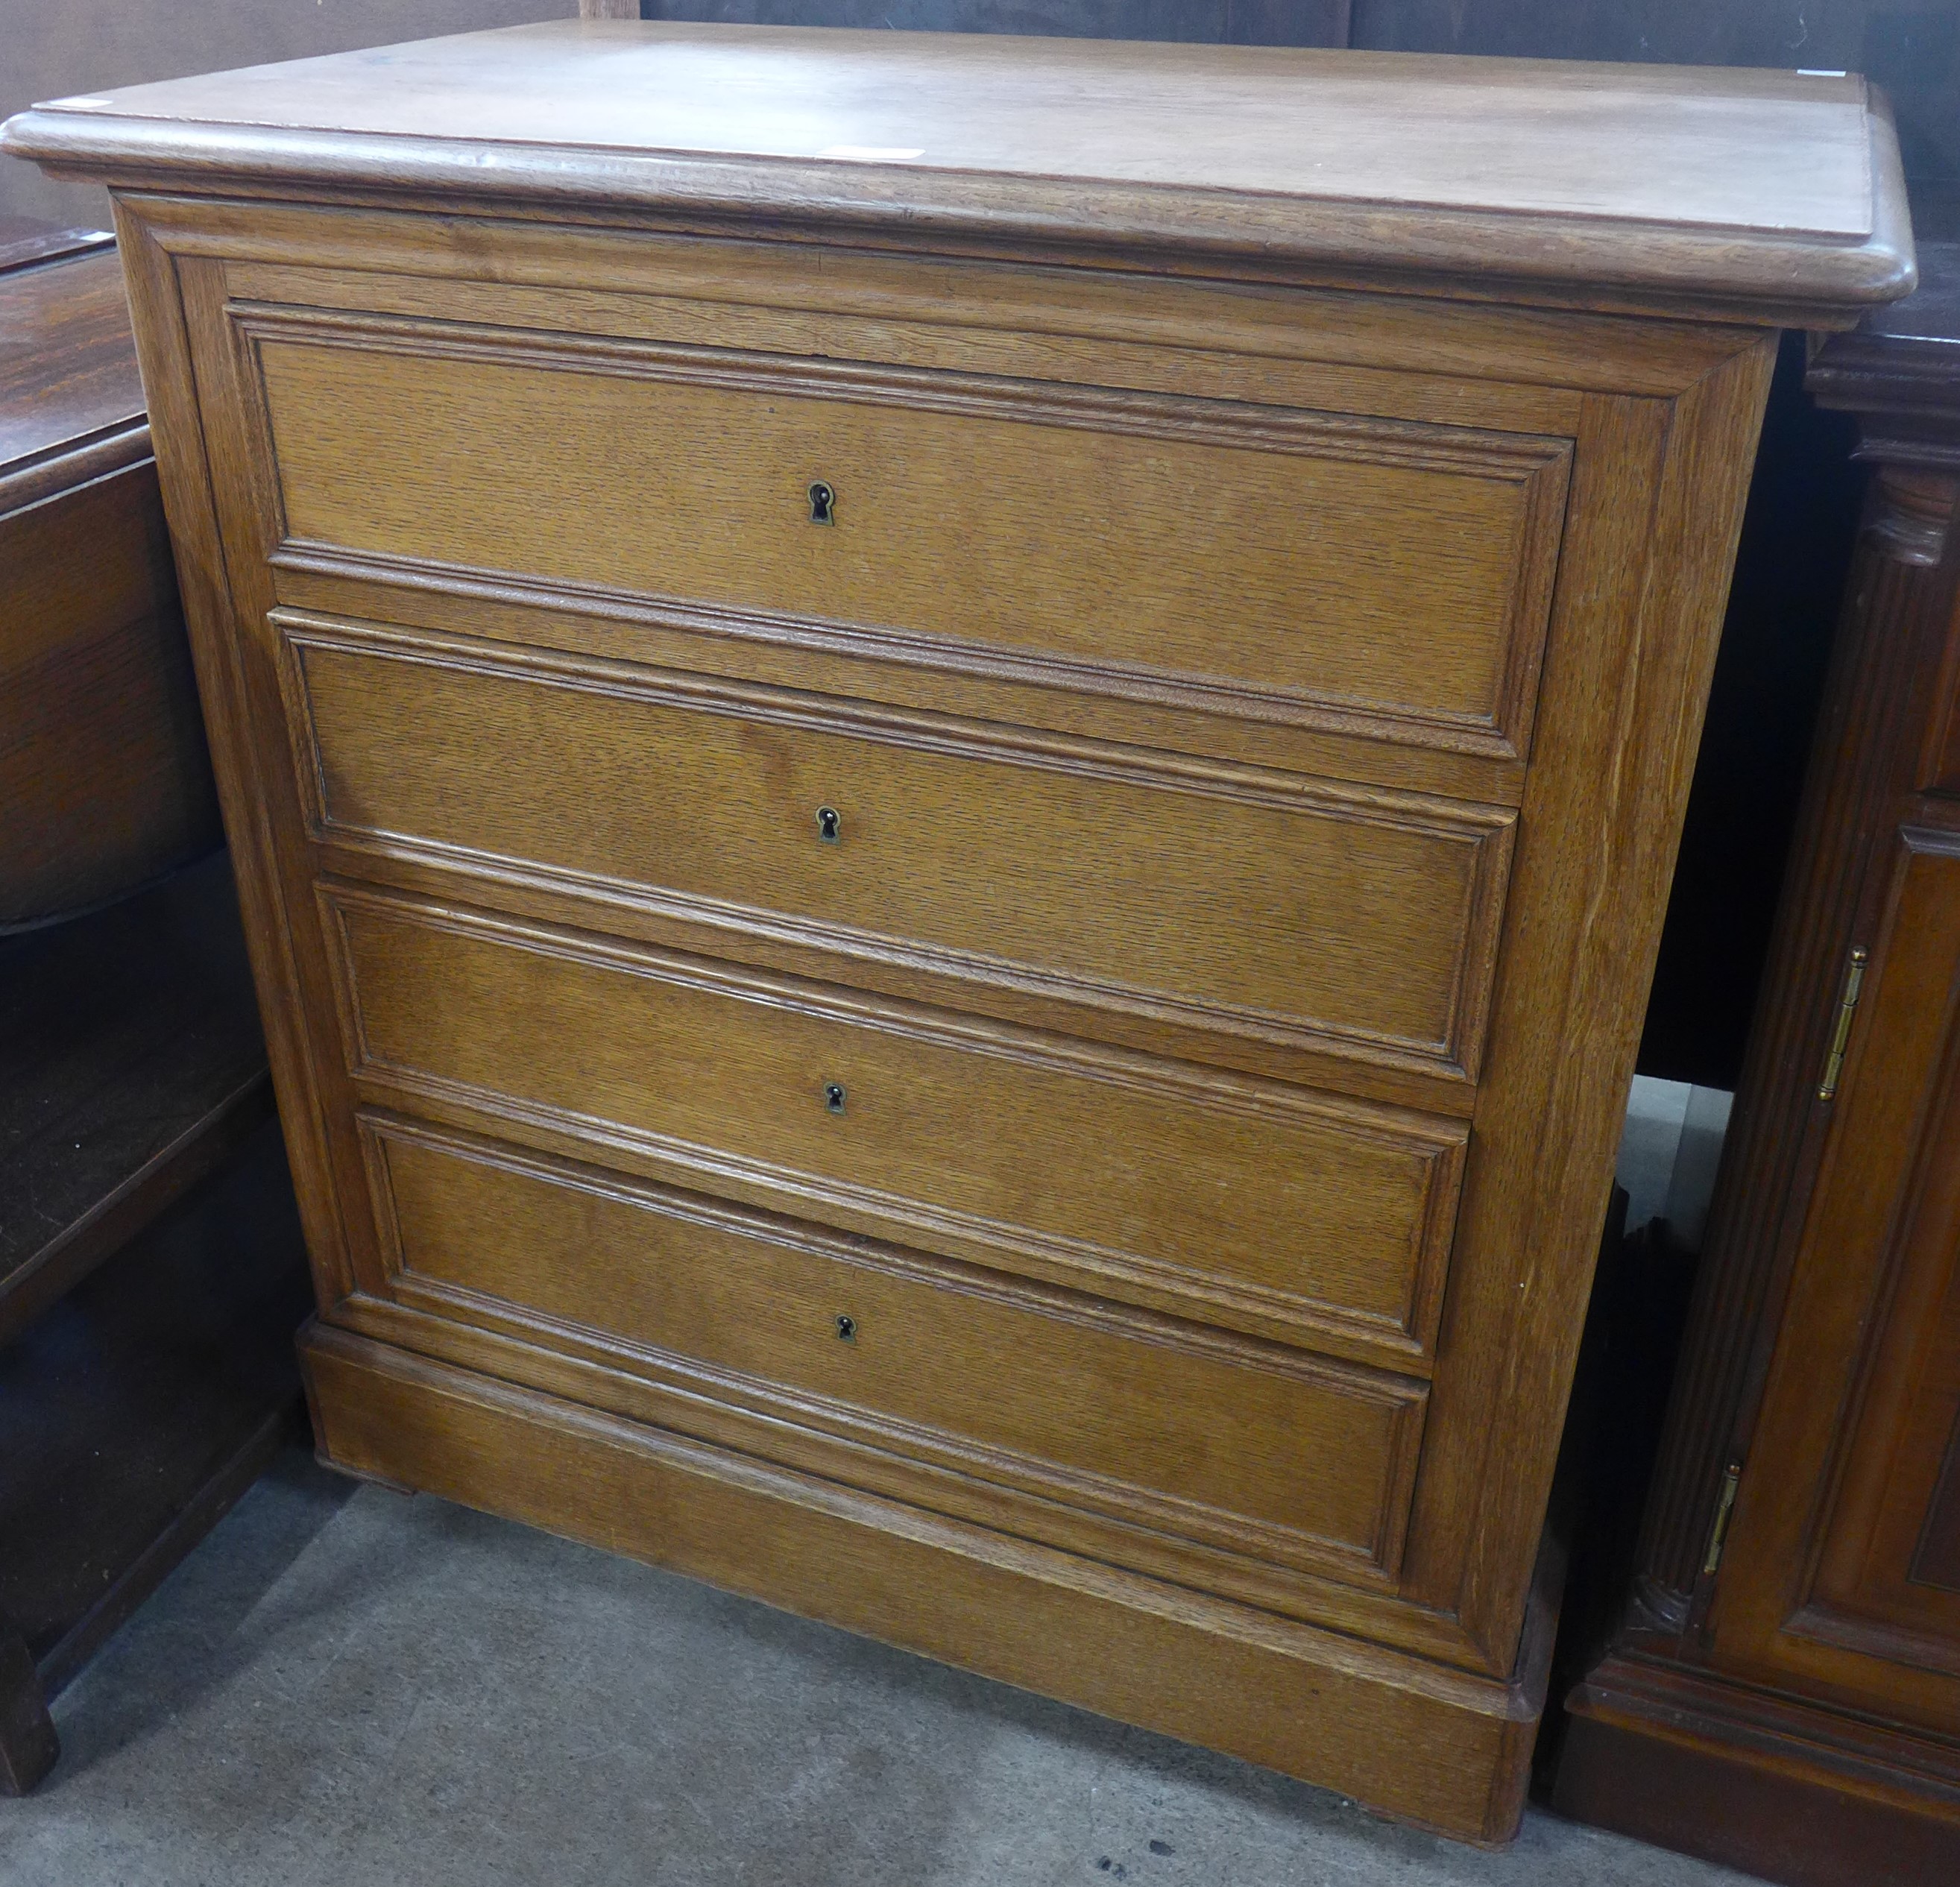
pixel 1790 1792
pixel 1441 1748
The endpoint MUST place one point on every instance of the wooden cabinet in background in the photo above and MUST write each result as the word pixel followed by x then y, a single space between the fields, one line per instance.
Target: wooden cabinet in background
pixel 150 1276
pixel 103 779
pixel 955 762
pixel 1785 1693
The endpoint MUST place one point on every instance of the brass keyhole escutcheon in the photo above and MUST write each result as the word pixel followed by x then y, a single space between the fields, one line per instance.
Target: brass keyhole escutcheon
pixel 847 1328
pixel 833 1096
pixel 822 504
pixel 830 825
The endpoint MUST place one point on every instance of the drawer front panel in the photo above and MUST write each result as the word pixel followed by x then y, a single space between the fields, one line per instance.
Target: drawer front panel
pixel 1238 1201
pixel 1290 562
pixel 1239 1445
pixel 1364 925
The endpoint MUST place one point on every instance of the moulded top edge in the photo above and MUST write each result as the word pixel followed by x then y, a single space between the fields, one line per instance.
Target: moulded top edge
pixel 1703 181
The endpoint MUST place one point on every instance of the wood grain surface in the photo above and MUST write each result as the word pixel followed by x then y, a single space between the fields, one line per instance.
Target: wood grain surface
pixel 1262 1446
pixel 1742 187
pixel 104 780
pixel 1285 556
pixel 1277 1693
pixel 1521 136
pixel 1244 1203
pixel 1144 913
pixel 1654 487
pixel 69 382
pixel 1364 924
pixel 104 783
pixel 1823 1579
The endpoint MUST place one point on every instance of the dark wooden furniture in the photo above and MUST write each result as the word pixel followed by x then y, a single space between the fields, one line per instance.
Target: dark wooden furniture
pixel 1784 1693
pixel 150 1271
pixel 151 1274
pixel 131 1064
pixel 940 801
pixel 103 779
pixel 133 1413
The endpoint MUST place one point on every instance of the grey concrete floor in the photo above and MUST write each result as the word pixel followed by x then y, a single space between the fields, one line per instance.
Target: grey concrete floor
pixel 343 1687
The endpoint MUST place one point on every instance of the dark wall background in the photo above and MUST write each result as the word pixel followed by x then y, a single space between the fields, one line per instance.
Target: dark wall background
pixel 1803 512
pixel 1909 46
pixel 1790 572
pixel 1238 22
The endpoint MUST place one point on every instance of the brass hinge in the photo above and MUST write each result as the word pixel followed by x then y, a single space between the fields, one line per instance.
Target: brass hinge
pixel 1847 1006
pixel 1718 1534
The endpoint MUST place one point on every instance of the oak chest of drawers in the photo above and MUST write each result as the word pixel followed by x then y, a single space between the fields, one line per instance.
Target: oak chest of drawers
pixel 956 762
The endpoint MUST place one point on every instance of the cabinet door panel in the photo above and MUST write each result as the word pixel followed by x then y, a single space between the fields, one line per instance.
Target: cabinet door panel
pixel 1842 1567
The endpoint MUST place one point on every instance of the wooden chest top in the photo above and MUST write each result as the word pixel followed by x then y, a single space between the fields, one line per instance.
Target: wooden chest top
pixel 1769 195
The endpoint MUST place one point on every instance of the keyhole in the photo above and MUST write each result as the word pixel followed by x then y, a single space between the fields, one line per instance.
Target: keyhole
pixel 830 825
pixel 847 1328
pixel 822 504
pixel 833 1096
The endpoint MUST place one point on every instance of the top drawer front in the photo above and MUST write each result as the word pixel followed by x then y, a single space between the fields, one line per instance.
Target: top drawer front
pixel 1251 559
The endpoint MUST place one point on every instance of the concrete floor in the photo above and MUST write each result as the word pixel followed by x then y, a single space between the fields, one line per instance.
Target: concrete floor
pixel 345 1688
